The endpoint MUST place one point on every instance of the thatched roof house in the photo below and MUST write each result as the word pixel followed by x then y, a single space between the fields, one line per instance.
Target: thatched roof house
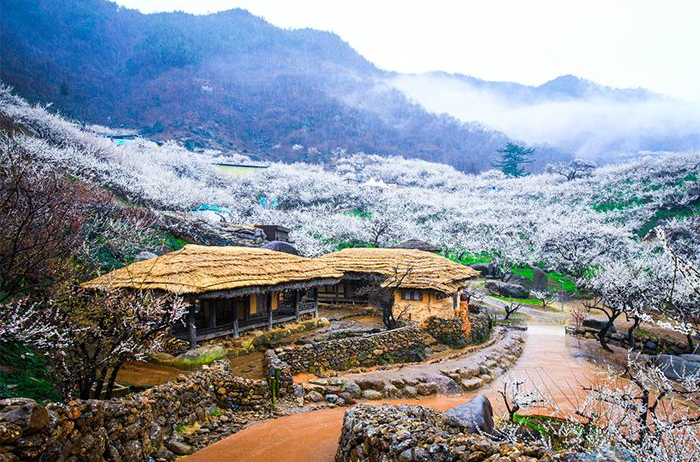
pixel 427 270
pixel 198 270
pixel 231 288
pixel 417 244
pixel 430 285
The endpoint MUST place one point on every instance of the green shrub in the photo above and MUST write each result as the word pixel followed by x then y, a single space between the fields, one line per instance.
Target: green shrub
pixel 24 374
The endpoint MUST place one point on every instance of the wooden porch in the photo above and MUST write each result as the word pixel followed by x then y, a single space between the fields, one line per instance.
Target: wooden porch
pixel 212 317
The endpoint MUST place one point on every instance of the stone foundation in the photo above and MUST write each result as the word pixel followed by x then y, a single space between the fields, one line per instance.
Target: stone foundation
pixel 405 344
pixel 126 429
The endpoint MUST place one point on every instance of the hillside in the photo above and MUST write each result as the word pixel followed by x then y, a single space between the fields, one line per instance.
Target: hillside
pixel 226 80
pixel 372 200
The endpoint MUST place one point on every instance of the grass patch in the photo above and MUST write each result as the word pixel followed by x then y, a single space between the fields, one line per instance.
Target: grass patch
pixel 200 360
pixel 524 301
pixel 24 374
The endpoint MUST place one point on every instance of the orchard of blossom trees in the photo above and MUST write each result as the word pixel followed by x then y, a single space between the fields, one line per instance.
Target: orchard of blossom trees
pixel 587 222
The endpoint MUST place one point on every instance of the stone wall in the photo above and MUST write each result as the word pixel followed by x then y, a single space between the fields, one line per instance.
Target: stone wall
pixel 481 326
pixel 450 332
pixel 126 429
pixel 405 344
pixel 415 433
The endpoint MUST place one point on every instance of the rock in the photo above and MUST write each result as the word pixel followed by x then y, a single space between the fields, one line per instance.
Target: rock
pixel 425 389
pixel 539 281
pixel 598 324
pixel 179 447
pixel 691 358
pixel 199 356
pixel 347 398
pixel 390 391
pixel 675 367
pixel 352 388
pixel 506 289
pixel 24 413
pixel 651 346
pixel 410 391
pixel 314 396
pixel 471 384
pixel 372 394
pixel 474 416
pixel 487 270
pixel 604 455
pixel 144 255
pixel 370 384
pixel 519 281
pixel 331 398
pixel 618 337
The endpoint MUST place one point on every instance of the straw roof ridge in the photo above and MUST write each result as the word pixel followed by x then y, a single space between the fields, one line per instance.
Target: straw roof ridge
pixel 197 269
pixel 419 269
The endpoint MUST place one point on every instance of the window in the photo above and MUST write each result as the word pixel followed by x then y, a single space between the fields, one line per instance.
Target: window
pixel 412 295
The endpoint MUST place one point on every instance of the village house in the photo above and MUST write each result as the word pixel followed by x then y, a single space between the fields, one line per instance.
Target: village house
pixel 426 284
pixel 230 289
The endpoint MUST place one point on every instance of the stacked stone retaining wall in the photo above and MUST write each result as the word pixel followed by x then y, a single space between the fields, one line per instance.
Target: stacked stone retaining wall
pixel 415 433
pixel 127 429
pixel 405 344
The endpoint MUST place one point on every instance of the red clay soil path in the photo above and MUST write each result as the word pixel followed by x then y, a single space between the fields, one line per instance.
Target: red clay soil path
pixel 547 360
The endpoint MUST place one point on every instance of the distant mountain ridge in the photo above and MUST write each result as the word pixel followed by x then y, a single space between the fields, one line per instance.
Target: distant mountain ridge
pixel 231 80
pixel 228 80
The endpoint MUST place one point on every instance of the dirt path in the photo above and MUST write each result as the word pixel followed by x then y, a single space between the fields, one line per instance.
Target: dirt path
pixel 548 360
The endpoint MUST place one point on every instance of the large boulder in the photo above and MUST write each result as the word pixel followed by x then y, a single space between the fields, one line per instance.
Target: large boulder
pixel 598 324
pixel 676 367
pixel 487 270
pixel 539 280
pixel 474 416
pixel 25 413
pixel 200 356
pixel 519 280
pixel 505 289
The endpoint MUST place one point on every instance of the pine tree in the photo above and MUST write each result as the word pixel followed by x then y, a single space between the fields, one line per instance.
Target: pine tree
pixel 513 156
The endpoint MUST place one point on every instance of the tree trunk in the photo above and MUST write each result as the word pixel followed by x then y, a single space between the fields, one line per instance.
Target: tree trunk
pixel 630 331
pixel 112 380
pixel 100 383
pixel 604 332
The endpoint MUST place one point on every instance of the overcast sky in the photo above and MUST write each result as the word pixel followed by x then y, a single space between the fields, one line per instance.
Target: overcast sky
pixel 622 43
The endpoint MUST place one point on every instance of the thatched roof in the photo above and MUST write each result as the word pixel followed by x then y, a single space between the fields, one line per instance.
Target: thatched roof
pixel 417 244
pixel 197 269
pixel 281 246
pixel 420 270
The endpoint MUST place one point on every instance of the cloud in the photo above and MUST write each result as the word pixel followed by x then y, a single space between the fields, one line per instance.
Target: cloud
pixel 594 127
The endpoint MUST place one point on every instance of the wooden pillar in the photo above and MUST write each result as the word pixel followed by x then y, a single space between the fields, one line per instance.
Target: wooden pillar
pixel 268 300
pixel 315 302
pixel 191 326
pixel 236 331
pixel 455 301
pixel 296 304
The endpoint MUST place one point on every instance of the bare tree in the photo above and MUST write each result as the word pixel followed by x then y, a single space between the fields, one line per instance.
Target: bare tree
pixel 381 293
pixel 545 298
pixel 42 213
pixel 511 308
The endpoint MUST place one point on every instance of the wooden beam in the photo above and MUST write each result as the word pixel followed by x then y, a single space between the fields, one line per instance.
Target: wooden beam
pixel 191 326
pixel 268 302
pixel 297 297
pixel 315 302
pixel 235 328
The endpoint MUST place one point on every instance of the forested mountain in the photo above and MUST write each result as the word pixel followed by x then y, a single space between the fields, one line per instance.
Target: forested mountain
pixel 226 80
